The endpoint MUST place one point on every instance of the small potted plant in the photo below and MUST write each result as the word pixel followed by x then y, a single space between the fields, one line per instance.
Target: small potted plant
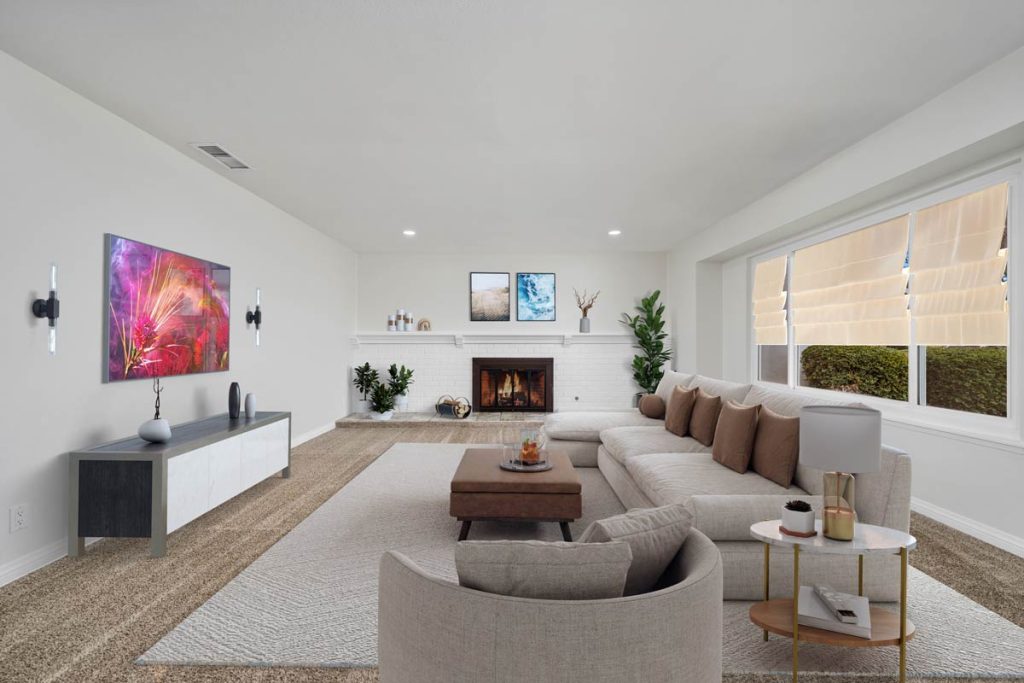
pixel 399 379
pixel 365 378
pixel 585 303
pixel 797 518
pixel 382 402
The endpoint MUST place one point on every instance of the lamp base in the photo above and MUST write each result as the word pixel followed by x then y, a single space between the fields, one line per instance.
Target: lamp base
pixel 838 518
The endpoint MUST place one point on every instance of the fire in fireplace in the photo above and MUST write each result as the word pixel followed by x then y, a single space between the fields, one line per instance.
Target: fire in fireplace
pixel 513 384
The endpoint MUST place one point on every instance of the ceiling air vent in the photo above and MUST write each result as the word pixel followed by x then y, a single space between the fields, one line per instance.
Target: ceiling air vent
pixel 222 156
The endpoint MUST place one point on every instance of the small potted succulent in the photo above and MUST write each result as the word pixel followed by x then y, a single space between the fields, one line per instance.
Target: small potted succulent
pixel 399 379
pixel 382 402
pixel 365 378
pixel 798 518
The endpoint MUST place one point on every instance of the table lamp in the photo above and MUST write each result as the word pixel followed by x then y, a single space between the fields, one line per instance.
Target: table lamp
pixel 843 441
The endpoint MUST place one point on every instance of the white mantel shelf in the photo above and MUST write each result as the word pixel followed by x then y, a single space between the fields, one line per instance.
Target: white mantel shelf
pixel 460 338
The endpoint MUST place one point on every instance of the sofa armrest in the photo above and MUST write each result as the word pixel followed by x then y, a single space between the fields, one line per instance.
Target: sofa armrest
pixel 728 518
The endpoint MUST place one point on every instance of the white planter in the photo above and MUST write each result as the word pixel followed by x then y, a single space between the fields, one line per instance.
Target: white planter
pixel 382 416
pixel 798 522
pixel 362 406
pixel 401 402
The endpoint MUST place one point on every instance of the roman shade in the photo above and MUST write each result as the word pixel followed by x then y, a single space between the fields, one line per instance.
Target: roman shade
pixel 958 294
pixel 769 302
pixel 852 290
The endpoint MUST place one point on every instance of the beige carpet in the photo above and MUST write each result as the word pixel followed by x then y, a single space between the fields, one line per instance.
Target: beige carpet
pixel 89 619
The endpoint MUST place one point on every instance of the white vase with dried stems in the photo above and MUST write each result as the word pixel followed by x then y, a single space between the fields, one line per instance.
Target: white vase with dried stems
pixel 585 303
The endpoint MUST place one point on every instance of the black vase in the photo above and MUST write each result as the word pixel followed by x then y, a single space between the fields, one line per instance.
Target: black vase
pixel 234 401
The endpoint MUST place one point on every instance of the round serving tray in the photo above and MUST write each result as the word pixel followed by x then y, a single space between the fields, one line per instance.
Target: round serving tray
pixel 518 466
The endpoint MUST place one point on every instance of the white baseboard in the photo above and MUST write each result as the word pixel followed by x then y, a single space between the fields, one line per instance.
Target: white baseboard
pixel 984 532
pixel 312 434
pixel 39 558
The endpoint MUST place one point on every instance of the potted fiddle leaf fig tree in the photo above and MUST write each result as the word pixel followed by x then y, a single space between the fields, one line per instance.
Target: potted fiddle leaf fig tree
pixel 648 327
pixel 364 379
pixel 399 379
pixel 382 402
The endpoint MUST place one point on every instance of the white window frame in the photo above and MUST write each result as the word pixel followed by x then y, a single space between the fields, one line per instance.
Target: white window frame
pixel 989 428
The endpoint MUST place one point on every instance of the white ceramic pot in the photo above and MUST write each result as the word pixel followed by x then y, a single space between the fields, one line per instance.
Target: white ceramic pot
pixel 362 406
pixel 584 325
pixel 155 431
pixel 401 402
pixel 382 416
pixel 798 522
pixel 250 406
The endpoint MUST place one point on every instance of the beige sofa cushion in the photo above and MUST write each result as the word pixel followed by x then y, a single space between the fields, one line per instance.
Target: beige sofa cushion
pixel 669 381
pixel 728 391
pixel 655 536
pixel 623 443
pixel 551 571
pixel 587 426
pixel 668 478
pixel 728 518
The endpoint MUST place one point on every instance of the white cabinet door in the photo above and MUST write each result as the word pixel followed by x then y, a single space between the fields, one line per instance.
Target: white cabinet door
pixel 188 477
pixel 264 452
pixel 225 470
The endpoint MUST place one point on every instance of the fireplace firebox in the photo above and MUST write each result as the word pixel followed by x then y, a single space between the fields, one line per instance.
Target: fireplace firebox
pixel 513 384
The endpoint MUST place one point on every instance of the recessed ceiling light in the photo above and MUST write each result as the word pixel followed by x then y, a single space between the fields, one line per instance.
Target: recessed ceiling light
pixel 614 233
pixel 409 233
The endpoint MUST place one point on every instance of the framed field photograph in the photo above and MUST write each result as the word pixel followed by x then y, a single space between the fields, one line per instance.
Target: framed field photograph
pixel 535 296
pixel 489 297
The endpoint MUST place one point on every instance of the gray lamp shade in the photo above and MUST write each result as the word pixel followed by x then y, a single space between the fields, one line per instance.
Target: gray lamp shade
pixel 841 438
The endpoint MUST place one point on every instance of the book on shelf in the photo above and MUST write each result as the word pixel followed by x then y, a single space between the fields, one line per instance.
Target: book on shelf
pixel 812 611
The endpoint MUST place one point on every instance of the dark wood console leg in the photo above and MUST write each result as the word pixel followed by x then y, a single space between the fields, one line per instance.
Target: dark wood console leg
pixel 464 532
pixel 566 533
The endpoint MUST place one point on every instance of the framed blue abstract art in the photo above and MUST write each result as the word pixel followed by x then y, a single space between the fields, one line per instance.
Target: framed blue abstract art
pixel 535 296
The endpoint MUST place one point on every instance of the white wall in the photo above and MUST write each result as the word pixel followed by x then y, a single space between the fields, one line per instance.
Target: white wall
pixel 962 480
pixel 436 286
pixel 71 171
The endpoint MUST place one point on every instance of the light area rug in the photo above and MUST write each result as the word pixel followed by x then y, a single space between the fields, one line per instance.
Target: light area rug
pixel 311 599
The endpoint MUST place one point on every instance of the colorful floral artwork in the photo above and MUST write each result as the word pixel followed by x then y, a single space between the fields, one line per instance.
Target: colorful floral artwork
pixel 167 313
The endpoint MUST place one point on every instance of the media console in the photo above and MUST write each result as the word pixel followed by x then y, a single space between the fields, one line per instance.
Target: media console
pixel 133 488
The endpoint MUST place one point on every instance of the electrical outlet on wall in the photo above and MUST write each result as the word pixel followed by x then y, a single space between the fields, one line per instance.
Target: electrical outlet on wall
pixel 19 517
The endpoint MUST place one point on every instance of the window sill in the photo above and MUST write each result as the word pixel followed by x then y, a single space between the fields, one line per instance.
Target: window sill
pixel 984 430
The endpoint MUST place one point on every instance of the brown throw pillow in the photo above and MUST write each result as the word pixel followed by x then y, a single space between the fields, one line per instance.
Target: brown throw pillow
pixel 680 406
pixel 704 417
pixel 776 447
pixel 734 436
pixel 651 405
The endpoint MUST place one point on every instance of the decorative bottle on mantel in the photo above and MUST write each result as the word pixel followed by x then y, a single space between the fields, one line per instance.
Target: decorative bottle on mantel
pixel 234 401
pixel 585 303
pixel 250 406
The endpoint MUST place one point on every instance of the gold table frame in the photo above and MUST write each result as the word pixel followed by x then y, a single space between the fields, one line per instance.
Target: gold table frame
pixel 904 623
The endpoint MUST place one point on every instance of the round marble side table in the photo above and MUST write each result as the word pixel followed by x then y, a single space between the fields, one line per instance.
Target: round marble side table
pixel 780 616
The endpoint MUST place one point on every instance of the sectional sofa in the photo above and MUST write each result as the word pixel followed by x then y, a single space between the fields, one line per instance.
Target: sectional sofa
pixel 649 466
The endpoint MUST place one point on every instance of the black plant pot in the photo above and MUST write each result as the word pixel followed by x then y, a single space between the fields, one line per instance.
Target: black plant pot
pixel 234 401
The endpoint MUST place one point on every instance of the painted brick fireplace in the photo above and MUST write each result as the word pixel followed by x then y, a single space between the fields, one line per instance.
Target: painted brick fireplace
pixel 513 384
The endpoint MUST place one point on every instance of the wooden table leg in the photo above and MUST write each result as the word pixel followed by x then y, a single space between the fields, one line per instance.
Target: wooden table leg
pixel 464 531
pixel 566 532
pixel 796 610
pixel 860 575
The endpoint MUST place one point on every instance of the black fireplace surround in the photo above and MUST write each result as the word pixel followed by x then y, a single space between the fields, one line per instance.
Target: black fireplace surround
pixel 513 384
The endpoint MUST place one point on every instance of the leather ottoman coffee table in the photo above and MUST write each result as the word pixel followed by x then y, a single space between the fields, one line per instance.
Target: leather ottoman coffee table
pixel 481 490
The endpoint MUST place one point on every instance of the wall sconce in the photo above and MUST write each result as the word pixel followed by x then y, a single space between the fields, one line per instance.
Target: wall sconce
pixel 255 317
pixel 49 308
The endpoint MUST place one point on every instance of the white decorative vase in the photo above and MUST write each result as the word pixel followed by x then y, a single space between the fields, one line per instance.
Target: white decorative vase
pixel 155 431
pixel 362 406
pixel 798 522
pixel 250 406
pixel 401 402
pixel 585 325
pixel 382 416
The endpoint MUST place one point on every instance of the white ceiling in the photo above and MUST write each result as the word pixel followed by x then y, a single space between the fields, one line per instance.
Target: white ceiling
pixel 519 124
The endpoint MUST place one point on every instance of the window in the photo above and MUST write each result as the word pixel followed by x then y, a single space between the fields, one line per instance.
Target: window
pixel 912 308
